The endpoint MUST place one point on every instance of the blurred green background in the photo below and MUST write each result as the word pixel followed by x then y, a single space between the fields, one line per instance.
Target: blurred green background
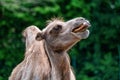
pixel 96 58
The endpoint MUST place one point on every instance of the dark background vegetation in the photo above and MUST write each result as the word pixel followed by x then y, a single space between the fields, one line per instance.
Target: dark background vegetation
pixel 96 58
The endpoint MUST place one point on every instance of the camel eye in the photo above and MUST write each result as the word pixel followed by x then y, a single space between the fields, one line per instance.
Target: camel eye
pixel 57 27
pixel 56 30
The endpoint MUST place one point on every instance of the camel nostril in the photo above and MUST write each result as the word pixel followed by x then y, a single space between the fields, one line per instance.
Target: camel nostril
pixel 80 19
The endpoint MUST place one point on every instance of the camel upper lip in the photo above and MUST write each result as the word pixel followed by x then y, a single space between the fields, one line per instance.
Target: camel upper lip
pixel 81 28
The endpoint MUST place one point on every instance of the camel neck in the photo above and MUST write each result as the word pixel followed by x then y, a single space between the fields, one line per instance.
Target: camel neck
pixel 60 64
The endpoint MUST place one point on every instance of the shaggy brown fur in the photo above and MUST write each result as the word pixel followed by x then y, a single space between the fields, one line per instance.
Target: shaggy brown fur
pixel 46 55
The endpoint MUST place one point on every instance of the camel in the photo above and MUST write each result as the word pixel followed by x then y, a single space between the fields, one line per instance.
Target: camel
pixel 46 56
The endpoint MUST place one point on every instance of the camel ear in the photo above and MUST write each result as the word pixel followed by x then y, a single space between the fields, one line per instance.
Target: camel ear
pixel 39 36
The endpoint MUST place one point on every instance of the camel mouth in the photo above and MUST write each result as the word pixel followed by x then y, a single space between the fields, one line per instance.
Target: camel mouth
pixel 81 28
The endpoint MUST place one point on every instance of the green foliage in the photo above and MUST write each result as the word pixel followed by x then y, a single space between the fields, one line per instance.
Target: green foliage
pixel 95 58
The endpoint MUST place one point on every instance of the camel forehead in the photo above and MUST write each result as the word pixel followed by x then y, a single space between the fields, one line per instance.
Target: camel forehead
pixel 52 24
pixel 55 19
pixel 55 22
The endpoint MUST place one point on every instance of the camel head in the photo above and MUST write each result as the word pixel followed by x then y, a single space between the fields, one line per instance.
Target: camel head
pixel 61 36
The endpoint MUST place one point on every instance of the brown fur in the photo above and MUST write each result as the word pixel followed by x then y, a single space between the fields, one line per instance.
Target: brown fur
pixel 46 55
pixel 35 65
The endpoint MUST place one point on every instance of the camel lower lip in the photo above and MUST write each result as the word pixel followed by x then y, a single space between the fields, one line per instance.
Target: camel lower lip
pixel 81 28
